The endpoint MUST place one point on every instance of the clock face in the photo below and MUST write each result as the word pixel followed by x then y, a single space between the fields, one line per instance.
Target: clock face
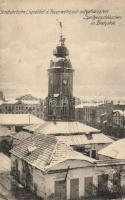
pixel 65 81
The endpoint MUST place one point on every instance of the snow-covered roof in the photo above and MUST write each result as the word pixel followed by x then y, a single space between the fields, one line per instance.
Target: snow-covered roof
pixel 121 112
pixel 18 119
pixel 73 140
pixel 82 105
pixel 61 127
pixel 22 135
pixel 13 101
pixel 46 151
pixel 115 150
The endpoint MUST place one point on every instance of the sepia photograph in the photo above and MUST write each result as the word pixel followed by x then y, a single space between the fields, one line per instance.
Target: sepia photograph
pixel 62 100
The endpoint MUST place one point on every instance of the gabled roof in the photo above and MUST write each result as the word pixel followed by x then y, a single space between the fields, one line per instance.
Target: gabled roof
pixel 47 151
pixel 61 127
pixel 115 150
pixel 18 119
pixel 121 112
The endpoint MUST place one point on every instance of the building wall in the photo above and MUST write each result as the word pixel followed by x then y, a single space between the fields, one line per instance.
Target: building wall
pixel 22 108
pixel 44 184
pixel 118 119
pixel 92 115
pixel 81 174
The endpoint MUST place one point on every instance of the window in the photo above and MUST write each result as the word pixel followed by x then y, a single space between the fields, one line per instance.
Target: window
pixel 116 182
pixel 60 190
pixel 74 189
pixel 102 184
pixel 93 153
pixel 88 186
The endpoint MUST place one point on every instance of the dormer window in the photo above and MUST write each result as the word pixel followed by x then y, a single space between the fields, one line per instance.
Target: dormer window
pixel 31 149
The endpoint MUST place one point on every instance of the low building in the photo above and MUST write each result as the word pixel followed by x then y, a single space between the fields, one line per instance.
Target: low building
pixel 15 122
pixel 81 137
pixel 119 105
pixel 118 118
pixel 54 170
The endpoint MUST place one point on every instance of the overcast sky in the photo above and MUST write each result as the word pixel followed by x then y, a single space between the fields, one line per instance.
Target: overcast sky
pixel 97 53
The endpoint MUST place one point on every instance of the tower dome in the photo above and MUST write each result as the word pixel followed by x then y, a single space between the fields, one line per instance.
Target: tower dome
pixel 61 53
pixel 61 50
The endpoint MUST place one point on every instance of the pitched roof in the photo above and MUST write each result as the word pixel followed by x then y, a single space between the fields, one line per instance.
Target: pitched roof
pixel 18 119
pixel 61 127
pixel 115 150
pixel 121 112
pixel 98 138
pixel 22 135
pixel 42 151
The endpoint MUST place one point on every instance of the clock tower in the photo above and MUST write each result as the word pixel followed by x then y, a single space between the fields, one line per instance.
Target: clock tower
pixel 60 103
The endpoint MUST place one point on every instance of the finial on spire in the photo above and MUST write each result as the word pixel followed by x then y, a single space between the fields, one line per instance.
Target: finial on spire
pixel 62 39
pixel 60 25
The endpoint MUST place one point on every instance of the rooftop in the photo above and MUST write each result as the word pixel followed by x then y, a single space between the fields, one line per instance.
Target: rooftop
pixel 46 151
pixel 22 135
pixel 18 119
pixel 14 101
pixel 115 150
pixel 121 112
pixel 61 128
pixel 82 105
pixel 82 139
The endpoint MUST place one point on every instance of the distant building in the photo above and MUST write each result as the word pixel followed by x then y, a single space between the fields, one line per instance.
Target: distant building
pixel 95 114
pixel 23 105
pixel 118 118
pixel 15 122
pixel 28 97
pixel 119 105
